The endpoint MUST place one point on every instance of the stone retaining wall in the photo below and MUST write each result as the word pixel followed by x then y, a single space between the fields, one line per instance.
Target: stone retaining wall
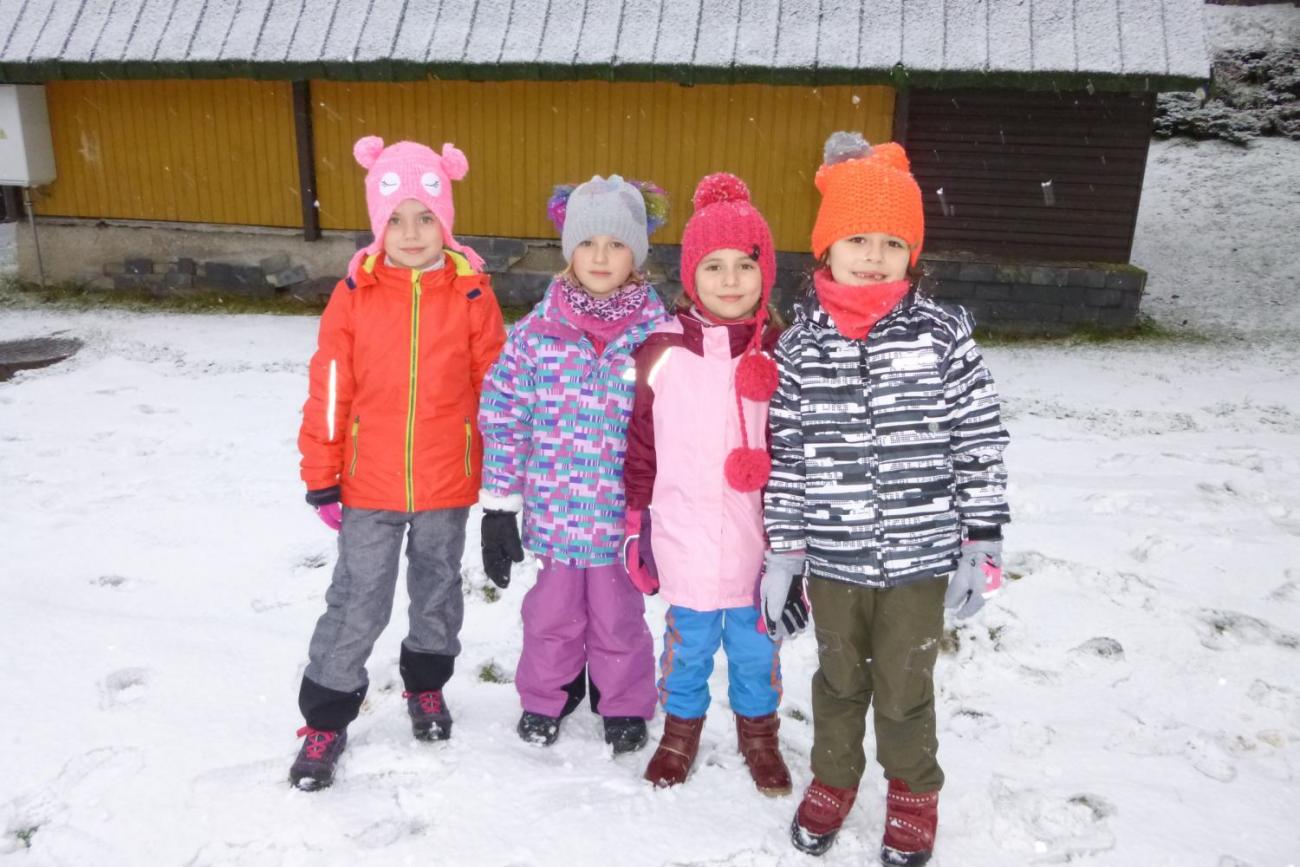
pixel 1014 297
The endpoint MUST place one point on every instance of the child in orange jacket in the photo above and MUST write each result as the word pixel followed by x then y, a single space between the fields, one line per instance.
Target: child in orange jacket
pixel 390 448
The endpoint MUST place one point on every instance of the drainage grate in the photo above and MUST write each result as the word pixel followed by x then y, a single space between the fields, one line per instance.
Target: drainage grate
pixel 33 353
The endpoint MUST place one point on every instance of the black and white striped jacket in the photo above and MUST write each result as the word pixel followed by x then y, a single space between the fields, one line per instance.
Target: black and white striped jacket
pixel 885 451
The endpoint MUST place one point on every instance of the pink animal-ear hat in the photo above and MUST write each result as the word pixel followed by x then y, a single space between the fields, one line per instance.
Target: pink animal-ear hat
pixel 408 170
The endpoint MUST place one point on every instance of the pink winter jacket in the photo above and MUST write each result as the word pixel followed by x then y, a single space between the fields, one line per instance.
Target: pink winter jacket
pixel 707 537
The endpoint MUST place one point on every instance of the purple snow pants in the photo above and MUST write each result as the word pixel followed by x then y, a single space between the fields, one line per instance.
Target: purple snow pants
pixel 592 615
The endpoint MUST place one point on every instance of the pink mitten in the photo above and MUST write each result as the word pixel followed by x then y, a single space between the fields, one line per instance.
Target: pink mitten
pixel 638 558
pixel 331 514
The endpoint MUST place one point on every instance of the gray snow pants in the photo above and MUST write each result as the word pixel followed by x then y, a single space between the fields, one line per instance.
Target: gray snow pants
pixel 359 603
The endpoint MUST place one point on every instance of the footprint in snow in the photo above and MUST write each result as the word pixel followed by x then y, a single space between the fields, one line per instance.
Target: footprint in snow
pixel 1276 698
pixel 1102 647
pixel 124 686
pixel 1045 828
pixel 386 832
pixel 31 820
pixel 1287 592
pixel 1096 653
pixel 1210 759
pixel 115 582
pixel 971 724
pixel 1031 740
pixel 1228 630
pixel 314 561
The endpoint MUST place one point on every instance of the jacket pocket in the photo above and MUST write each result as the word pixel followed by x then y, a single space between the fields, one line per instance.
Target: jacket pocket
pixel 356 445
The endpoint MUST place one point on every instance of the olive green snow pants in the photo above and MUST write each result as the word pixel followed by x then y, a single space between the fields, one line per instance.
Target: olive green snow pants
pixel 881 642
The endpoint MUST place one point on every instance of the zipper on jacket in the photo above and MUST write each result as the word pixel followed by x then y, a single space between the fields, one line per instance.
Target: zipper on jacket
pixel 469 445
pixel 875 551
pixel 410 400
pixel 356 444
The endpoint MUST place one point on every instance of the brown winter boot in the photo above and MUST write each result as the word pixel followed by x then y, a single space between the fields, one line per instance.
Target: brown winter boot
pixel 820 816
pixel 911 819
pixel 676 753
pixel 756 738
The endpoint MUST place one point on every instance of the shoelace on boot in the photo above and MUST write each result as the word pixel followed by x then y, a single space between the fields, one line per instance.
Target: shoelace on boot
pixel 430 701
pixel 317 741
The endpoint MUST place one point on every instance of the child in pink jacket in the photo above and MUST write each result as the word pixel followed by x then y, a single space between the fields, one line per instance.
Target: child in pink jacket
pixel 697 462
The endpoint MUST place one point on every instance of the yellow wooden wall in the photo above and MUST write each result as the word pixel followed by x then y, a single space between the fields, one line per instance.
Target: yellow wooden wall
pixel 522 137
pixel 191 151
pixel 223 151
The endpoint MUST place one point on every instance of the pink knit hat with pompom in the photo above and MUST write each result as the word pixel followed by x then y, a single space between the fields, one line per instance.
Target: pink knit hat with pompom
pixel 407 170
pixel 726 219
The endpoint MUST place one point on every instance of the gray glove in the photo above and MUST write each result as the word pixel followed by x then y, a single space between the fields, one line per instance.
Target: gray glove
pixel 781 601
pixel 978 577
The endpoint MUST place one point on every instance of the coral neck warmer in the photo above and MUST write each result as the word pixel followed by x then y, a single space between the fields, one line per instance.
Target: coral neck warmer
pixel 856 309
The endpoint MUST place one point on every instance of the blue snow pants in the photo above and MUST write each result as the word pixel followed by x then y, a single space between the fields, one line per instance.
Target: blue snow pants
pixel 691 638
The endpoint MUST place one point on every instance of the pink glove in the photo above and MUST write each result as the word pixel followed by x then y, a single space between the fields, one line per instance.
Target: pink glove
pixel 331 514
pixel 639 561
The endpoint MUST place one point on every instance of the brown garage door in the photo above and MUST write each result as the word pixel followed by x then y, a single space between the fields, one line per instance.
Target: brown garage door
pixel 1044 175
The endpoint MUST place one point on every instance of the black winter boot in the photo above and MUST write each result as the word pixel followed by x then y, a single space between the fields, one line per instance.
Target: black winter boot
pixel 534 728
pixel 314 767
pixel 430 719
pixel 626 734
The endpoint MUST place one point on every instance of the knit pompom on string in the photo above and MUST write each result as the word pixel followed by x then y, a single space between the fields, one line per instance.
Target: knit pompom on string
pixel 756 376
pixel 747 469
pixel 719 187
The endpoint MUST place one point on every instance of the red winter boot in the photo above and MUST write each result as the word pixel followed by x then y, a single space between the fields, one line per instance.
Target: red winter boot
pixel 910 822
pixel 676 753
pixel 820 816
pixel 756 737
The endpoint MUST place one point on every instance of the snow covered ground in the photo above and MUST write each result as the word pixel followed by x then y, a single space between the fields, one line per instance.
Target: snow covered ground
pixel 1133 699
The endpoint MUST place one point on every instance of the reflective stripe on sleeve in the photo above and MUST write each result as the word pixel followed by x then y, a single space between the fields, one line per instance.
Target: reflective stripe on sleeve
pixel 332 398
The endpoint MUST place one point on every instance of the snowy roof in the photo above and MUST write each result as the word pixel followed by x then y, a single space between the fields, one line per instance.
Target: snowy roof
pixel 1134 44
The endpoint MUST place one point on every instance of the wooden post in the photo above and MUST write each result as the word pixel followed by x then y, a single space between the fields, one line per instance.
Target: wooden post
pixel 900 115
pixel 306 159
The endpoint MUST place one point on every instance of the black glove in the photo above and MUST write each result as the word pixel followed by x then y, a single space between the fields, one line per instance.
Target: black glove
pixel 499 536
pixel 794 616
pixel 324 496
pixel 783 610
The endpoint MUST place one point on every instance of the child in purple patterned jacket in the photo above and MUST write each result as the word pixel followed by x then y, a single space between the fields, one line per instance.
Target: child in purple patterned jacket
pixel 554 416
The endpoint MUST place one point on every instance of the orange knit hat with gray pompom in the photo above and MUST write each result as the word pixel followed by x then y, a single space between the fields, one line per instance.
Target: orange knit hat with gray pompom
pixel 866 189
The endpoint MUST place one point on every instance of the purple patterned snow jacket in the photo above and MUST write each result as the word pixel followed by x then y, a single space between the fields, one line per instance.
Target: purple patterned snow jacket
pixel 554 420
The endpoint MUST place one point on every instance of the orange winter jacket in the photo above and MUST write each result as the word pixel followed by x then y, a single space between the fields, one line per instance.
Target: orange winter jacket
pixel 393 401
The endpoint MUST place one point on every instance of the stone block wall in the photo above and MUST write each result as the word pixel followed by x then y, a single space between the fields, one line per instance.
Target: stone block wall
pixel 165 259
pixel 1026 297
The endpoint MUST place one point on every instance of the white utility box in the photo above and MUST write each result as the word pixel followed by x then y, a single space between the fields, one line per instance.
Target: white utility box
pixel 26 151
